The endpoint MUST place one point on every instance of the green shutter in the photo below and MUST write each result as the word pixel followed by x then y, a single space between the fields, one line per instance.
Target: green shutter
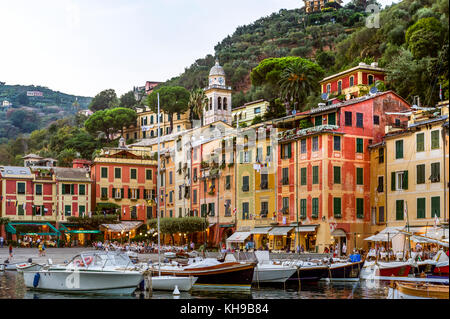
pixel 337 207
pixel 241 157
pixel 435 206
pixel 360 207
pixel 332 119
pixel 434 139
pixel 289 150
pixel 420 172
pixel 315 208
pixel 138 193
pixel 405 180
pixel 399 209
pixel 337 174
pixel 359 176
pixel 420 142
pixel 72 189
pixel 399 149
pixel 393 181
pixel 315 174
pixel 129 193
pixel 113 193
pixel 359 145
pixel 421 213
pixel 303 175
pixel 122 193
pixel 318 120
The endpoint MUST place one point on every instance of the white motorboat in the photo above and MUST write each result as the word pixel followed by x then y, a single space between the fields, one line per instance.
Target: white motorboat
pixel 268 271
pixel 28 266
pixel 88 272
pixel 170 282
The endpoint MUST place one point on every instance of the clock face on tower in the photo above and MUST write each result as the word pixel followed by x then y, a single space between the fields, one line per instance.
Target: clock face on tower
pixel 221 80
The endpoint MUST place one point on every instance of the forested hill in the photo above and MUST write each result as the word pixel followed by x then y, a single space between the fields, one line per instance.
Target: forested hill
pixel 34 110
pixel 336 40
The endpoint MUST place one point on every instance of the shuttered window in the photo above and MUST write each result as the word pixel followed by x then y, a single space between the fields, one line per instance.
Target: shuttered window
pixel 303 176
pixel 21 188
pixel 332 119
pixel 315 175
pixel 285 180
pixel 348 118
pixel 435 172
pixel 359 176
pixel 148 174
pixel 104 172
pixel 318 120
pixel 336 175
pixel 315 143
pixel 420 142
pixel 315 208
pixel 360 208
pixel 245 210
pixel 337 207
pixel 303 146
pixel 133 173
pixel 399 209
pixel 421 213
pixel 117 172
pixel 434 139
pixel 82 189
pixel 337 143
pixel 303 208
pixel 359 120
pixel 245 183
pixel 359 145
pixel 420 174
pixel 399 149
pixel 435 206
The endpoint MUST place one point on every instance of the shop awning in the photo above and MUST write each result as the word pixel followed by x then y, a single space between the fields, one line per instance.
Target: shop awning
pixel 306 228
pixel 238 237
pixel 260 230
pixel 338 233
pixel 123 226
pixel 386 234
pixel 280 231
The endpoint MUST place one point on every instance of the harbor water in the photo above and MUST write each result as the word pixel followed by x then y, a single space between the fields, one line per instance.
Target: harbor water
pixel 12 287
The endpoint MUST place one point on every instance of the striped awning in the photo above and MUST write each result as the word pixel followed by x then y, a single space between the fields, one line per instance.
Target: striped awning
pixel 280 231
pixel 123 226
pixel 238 237
pixel 306 228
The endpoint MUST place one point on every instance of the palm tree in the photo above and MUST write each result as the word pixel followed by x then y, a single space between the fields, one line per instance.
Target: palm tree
pixel 298 81
pixel 197 102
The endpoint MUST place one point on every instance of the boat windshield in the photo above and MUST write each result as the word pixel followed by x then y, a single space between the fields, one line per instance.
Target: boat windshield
pixel 101 259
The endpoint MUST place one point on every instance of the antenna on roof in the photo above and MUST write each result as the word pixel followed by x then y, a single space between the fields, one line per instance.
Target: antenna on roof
pixel 325 96
pixel 373 90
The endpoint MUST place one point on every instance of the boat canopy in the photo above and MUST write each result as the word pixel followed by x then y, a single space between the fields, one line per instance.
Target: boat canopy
pixel 280 231
pixel 238 237
pixel 260 230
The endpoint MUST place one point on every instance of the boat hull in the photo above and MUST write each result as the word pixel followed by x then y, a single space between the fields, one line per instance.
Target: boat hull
pixel 309 273
pixel 345 272
pixel 272 274
pixel 168 283
pixel 224 276
pixel 385 270
pixel 96 282
pixel 418 291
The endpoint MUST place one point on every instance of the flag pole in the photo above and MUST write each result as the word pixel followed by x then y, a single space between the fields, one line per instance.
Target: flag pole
pixel 158 182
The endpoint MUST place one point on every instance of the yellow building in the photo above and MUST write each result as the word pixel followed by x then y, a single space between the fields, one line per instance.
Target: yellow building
pixel 319 5
pixel 247 112
pixel 416 171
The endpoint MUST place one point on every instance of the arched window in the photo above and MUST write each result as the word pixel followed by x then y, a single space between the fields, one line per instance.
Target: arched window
pixel 370 79
pixel 210 103
pixel 225 103
pixel 219 103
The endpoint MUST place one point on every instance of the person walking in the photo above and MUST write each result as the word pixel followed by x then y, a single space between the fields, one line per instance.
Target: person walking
pixel 10 252
pixel 40 249
pixel 192 245
pixel 344 249
pixel 43 248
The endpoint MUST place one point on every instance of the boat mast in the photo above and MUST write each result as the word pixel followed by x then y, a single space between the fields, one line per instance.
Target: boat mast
pixel 158 182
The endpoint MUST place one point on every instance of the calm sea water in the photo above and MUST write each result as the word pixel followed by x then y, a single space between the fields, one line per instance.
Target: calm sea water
pixel 12 287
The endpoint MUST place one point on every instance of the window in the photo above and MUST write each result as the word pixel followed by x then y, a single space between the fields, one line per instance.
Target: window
pixel 211 209
pixel 104 193
pixel 219 103
pixel 259 154
pixel 245 210
pixel 104 172
pixel 332 119
pixel 228 182
pixel 268 152
pixel 67 189
pixel 315 208
pixel 257 110
pixel 264 181
pixel 399 149
pixel 21 188
pixel 318 120
pixel 315 143
pixel 420 174
pixel 381 155
pixel 245 183
pixel 204 210
pixel 81 210
pixel 180 192
pixel 328 88
pixel 434 139
pixel 264 209
pixel 81 189
pixel 359 120
pixel 285 205
pixel 225 103
pixel 133 173
pixel 194 197
pixel 148 174
pixel 435 172
pixel 400 180
pixel 228 207
pixel 339 87
pixel 359 145
pixel 315 170
pixel 360 208
pixel 178 116
pixel 303 208
pixel 20 210
pixel 285 180
pixel 370 79
pixel 67 210
pixel 359 176
pixel 286 151
pixel 303 146
pixel 38 189
pixel 337 143
pixel 336 175
pixel 303 176
pixel 421 213
pixel 380 187
pixel 352 80
pixel 348 118
pixel 337 207
pixel 399 209
pixel 420 142
pixel 170 178
pixel 381 214
pixel 376 120
pixel 117 172
pixel 435 206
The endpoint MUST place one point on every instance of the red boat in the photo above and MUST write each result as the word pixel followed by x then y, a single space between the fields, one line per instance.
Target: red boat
pixel 391 269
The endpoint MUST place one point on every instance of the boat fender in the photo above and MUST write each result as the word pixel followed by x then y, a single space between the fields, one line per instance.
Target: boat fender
pixel 37 276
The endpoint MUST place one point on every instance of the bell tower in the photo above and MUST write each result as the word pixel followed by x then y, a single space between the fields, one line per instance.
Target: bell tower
pixel 219 97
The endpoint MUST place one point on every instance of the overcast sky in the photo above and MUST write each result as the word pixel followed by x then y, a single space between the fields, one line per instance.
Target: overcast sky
pixel 85 46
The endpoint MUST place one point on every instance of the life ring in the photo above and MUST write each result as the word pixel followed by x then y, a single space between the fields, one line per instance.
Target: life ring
pixel 79 263
pixel 88 260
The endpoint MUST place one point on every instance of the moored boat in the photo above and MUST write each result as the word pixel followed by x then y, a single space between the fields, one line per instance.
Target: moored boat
pixel 385 269
pixel 345 271
pixel 89 272
pixel 170 282
pixel 406 290
pixel 307 271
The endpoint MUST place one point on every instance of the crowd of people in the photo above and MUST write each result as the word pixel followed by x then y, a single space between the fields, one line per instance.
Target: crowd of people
pixel 140 247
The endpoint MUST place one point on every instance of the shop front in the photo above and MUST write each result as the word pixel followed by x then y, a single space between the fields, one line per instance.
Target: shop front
pixel 28 233
pixel 280 238
pixel 261 237
pixel 307 238
pixel 122 232
pixel 338 240
pixel 237 240
pixel 74 235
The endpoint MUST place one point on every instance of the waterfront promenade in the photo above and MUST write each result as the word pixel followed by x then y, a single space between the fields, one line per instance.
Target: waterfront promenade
pixel 59 255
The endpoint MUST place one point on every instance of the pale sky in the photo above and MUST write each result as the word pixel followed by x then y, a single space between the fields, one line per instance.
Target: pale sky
pixel 82 47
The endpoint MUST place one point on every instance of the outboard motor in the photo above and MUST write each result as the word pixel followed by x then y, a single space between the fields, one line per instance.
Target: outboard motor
pixel 30 260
